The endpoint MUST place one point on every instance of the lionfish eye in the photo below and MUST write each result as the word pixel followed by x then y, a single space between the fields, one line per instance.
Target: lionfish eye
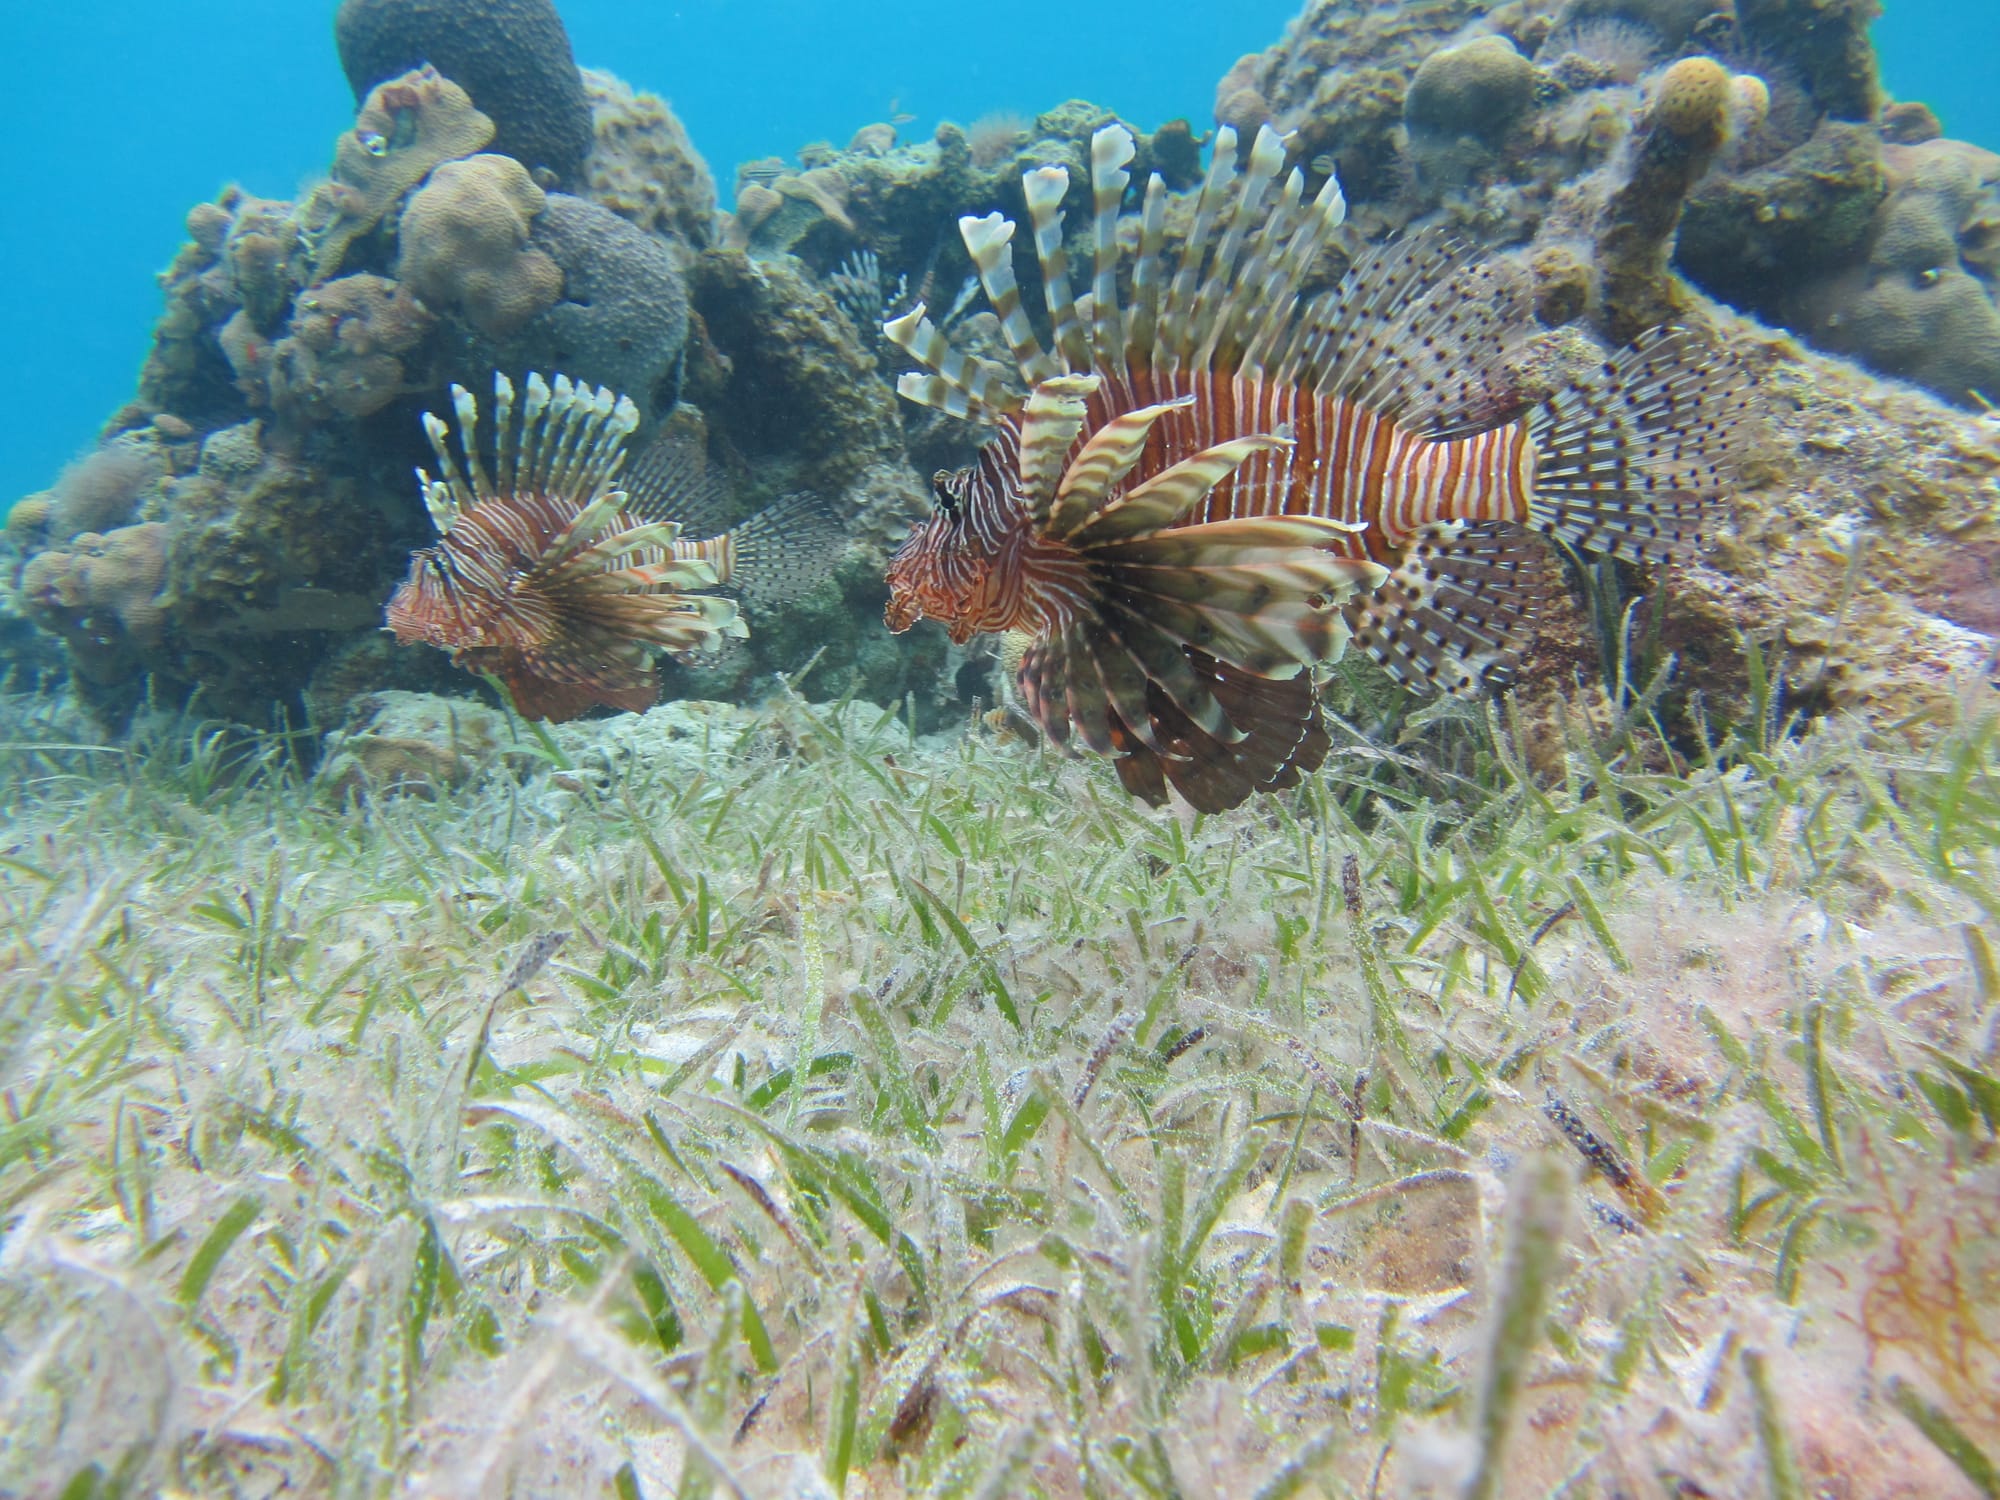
pixel 944 503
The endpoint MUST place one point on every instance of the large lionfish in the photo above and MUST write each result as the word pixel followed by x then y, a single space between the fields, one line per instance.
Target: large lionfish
pixel 555 575
pixel 1206 491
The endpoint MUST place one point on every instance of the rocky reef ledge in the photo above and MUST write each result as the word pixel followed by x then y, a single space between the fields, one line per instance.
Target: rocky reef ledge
pixel 231 538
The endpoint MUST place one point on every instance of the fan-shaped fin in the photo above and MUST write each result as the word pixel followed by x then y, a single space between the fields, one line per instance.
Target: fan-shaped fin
pixel 1458 612
pixel 1106 457
pixel 1631 465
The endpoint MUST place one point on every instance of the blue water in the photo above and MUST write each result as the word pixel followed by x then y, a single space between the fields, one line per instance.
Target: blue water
pixel 123 116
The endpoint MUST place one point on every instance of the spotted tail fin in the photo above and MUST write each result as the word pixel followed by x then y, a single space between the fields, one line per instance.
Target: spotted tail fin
pixel 778 554
pixel 1633 464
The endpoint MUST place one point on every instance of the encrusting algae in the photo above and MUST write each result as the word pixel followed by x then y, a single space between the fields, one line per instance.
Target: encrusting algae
pixel 565 585
pixel 1207 492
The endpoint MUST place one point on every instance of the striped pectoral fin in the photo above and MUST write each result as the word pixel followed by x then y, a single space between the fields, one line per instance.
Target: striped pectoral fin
pixel 1043 678
pixel 1049 426
pixel 1260 594
pixel 1089 710
pixel 1279 736
pixel 1457 613
pixel 1173 492
pixel 1106 457
pixel 1124 681
pixel 1166 664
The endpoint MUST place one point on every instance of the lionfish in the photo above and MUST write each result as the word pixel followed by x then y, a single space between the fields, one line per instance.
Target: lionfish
pixel 1207 491
pixel 563 580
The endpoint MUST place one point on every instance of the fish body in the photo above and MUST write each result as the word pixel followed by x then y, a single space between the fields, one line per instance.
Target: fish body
pixel 553 576
pixel 1214 482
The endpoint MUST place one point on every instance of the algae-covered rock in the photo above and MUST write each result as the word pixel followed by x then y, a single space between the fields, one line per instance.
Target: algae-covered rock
pixel 643 167
pixel 1827 42
pixel 512 56
pixel 347 349
pixel 398 743
pixel 1340 79
pixel 1846 550
pixel 1923 302
pixel 1752 238
pixel 101 593
pixel 803 401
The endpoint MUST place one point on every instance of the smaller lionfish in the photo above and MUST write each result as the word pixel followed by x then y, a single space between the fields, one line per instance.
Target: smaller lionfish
pixel 564 581
pixel 1214 483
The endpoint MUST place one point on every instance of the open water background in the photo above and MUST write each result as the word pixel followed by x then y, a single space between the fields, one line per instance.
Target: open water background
pixel 125 114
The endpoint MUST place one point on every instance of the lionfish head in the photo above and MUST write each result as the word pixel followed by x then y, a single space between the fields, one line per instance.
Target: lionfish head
pixel 950 568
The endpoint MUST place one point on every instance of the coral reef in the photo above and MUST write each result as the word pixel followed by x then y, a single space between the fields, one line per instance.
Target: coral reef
pixel 98 492
pixel 1843 553
pixel 463 244
pixel 344 352
pixel 642 165
pixel 796 390
pixel 1747 148
pixel 1753 237
pixel 1480 88
pixel 407 126
pixel 512 56
pixel 1341 79
pixel 1922 304
pixel 623 314
pixel 1826 41
pixel 1612 147
pixel 101 594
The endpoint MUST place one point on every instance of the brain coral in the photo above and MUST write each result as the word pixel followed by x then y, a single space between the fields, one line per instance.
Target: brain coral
pixel 623 313
pixel 464 241
pixel 1479 89
pixel 643 166
pixel 512 56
